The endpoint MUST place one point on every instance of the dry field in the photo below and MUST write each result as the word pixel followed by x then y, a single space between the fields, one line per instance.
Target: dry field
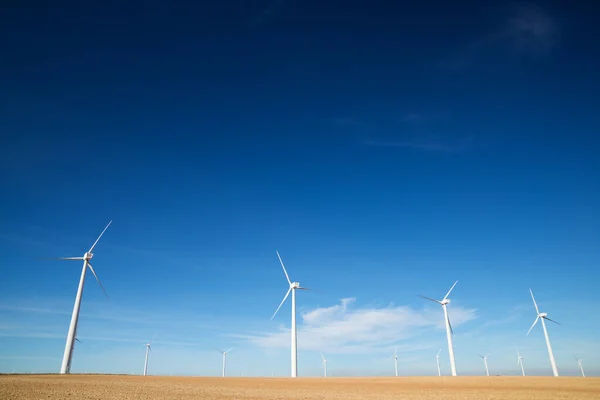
pixel 26 387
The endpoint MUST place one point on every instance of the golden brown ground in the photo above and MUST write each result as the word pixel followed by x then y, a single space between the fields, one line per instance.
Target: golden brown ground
pixel 25 387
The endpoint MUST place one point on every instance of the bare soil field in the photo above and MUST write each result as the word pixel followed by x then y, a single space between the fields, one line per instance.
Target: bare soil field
pixel 28 387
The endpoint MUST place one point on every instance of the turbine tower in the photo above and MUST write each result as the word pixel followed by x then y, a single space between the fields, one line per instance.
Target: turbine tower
pixel 580 364
pixel 542 317
pixel 487 371
pixel 520 362
pixel 224 359
pixel 324 365
pixel 437 358
pixel 293 287
pixel 70 345
pixel 449 332
pixel 395 357
pixel 148 348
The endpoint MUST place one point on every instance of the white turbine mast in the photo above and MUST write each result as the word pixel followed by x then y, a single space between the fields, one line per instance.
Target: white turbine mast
pixel 580 364
pixel 293 287
pixel 324 365
pixel 71 336
pixel 395 357
pixel 520 362
pixel 224 353
pixel 148 349
pixel 449 332
pixel 437 359
pixel 542 317
pixel 487 371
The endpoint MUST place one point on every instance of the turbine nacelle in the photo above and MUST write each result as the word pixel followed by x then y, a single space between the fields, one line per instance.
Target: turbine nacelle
pixel 445 302
pixel 542 315
pixel 294 285
pixel 88 255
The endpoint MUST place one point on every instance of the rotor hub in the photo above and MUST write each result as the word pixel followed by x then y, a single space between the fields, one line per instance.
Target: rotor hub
pixel 88 255
pixel 446 301
pixel 543 315
pixel 295 285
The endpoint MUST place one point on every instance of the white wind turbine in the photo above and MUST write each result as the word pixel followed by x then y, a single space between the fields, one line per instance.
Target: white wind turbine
pixel 542 317
pixel 224 359
pixel 148 348
pixel 487 371
pixel 449 332
pixel 71 336
pixel 293 287
pixel 437 358
pixel 580 364
pixel 520 362
pixel 395 357
pixel 324 365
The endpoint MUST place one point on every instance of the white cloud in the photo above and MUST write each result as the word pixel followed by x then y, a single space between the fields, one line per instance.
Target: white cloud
pixel 343 329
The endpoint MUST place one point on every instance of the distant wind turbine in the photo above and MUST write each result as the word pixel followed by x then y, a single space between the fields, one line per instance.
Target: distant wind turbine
pixel 437 358
pixel 487 371
pixel 148 349
pixel 293 287
pixel 520 362
pixel 324 365
pixel 449 332
pixel 395 357
pixel 69 346
pixel 580 364
pixel 542 317
pixel 224 353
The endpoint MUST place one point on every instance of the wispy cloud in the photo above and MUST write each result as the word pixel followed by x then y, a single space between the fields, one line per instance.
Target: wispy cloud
pixel 530 32
pixel 344 329
pixel 417 131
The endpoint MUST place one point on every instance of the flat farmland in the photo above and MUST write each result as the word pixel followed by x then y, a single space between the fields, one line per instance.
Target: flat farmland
pixel 26 387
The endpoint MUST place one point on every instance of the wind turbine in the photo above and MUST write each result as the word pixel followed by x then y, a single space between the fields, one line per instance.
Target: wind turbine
pixel 68 355
pixel 293 287
pixel 224 359
pixel 148 348
pixel 520 362
pixel 487 371
pixel 449 332
pixel 542 317
pixel 324 365
pixel 437 358
pixel 395 357
pixel 580 363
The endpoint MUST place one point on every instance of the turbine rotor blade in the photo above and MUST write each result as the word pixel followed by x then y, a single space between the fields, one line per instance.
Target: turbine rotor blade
pixel 550 319
pixel 98 280
pixel 283 266
pixel 448 294
pixel 96 242
pixel 438 354
pixel 449 324
pixel 430 299
pixel 534 322
pixel 534 303
pixel 282 301
pixel 303 288
pixel 67 258
pixel 479 355
pixel 227 351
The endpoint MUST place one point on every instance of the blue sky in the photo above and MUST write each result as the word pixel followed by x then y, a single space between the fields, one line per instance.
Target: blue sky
pixel 386 151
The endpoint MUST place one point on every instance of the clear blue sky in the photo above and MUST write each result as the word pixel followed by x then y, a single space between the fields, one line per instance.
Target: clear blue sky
pixel 385 150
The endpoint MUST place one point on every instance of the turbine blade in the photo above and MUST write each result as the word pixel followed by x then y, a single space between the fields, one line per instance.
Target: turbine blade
pixel 534 322
pixel 534 303
pixel 448 294
pixel 78 340
pixel 438 354
pixel 396 351
pixel 322 357
pixel 94 245
pixel 67 258
pixel 550 319
pixel 303 288
pixel 98 280
pixel 430 299
pixel 479 355
pixel 282 301
pixel 450 325
pixel 227 351
pixel 219 350
pixel 283 266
